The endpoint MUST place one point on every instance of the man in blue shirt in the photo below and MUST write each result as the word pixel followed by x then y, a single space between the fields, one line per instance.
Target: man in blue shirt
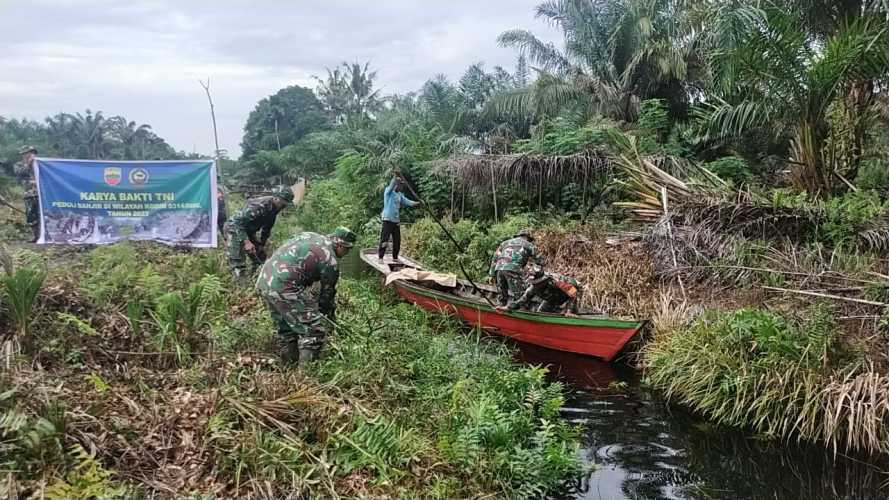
pixel 392 202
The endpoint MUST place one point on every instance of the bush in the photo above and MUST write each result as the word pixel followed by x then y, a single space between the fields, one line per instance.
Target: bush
pixel 496 422
pixel 846 215
pixel 329 204
pixel 873 174
pixel 425 241
pixel 731 168
pixel 783 377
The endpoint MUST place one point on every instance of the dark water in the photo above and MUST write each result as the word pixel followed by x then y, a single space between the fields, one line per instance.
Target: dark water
pixel 646 449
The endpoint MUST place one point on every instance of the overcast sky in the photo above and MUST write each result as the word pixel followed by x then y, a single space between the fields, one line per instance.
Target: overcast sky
pixel 142 59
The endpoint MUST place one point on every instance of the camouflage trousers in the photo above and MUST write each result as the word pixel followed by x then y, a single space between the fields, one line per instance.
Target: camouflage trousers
pixel 32 213
pixel 299 322
pixel 238 256
pixel 511 286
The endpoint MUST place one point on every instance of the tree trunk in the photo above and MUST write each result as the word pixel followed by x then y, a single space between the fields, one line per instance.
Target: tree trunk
pixel 809 171
pixel 858 100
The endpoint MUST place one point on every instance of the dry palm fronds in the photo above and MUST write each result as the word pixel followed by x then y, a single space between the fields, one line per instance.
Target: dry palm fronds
pixel 856 410
pixel 691 250
pixel 650 180
pixel 755 220
pixel 528 170
pixel 876 235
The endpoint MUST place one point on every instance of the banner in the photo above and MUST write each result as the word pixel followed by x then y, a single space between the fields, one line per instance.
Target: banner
pixel 100 202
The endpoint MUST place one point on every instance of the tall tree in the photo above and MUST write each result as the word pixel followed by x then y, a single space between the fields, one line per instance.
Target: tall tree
pixel 130 135
pixel 282 119
pixel 783 77
pixel 89 134
pixel 348 93
pixel 617 53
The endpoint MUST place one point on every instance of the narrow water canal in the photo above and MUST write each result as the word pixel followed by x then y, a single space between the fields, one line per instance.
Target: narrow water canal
pixel 645 449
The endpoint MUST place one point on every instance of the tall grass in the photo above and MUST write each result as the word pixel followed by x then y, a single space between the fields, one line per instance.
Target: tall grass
pixel 782 377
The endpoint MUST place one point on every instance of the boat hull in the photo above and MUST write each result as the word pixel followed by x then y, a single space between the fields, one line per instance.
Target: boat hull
pixel 603 338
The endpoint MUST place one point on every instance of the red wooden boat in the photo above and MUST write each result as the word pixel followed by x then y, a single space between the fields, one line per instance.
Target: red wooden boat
pixel 589 334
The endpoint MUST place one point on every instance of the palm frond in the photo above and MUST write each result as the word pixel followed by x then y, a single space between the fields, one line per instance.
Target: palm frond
pixel 544 54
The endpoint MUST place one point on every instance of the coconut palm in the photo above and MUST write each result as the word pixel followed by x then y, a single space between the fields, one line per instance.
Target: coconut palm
pixel 348 92
pixel 784 78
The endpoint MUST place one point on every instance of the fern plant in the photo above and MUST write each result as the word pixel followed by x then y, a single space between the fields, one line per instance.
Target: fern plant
pixel 88 479
pixel 204 303
pixel 376 444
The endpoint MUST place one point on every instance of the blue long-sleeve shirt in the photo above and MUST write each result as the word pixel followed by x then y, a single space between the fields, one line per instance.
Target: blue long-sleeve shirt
pixel 392 202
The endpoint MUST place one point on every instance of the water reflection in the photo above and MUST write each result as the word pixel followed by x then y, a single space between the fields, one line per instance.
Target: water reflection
pixel 645 449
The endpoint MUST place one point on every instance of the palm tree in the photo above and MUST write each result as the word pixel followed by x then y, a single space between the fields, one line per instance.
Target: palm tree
pixel 348 92
pixel 59 131
pixel 783 77
pixel 89 133
pixel 129 134
pixel 616 54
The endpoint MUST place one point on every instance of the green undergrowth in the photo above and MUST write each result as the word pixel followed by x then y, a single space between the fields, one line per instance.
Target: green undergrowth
pixel 139 347
pixel 783 376
pixel 424 240
pixel 494 422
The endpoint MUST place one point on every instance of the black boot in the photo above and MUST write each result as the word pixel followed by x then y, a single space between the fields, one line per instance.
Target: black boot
pixel 307 355
pixel 290 352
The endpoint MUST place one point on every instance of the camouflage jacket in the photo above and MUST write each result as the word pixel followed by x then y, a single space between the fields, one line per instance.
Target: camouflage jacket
pixel 552 287
pixel 297 264
pixel 513 254
pixel 259 214
pixel 25 175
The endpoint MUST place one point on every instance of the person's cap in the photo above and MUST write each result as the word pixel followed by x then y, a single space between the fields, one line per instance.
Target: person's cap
pixel 345 236
pixel 28 149
pixel 284 195
pixel 526 233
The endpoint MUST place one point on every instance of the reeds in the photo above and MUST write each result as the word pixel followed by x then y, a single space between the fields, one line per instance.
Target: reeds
pixel 785 379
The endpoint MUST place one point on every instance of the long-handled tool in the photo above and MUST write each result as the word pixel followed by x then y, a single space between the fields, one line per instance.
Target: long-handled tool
pixel 8 204
pixel 453 240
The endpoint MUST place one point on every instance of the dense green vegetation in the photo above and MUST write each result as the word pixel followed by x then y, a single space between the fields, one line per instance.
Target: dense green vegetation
pixel 89 135
pixel 744 145
pixel 404 401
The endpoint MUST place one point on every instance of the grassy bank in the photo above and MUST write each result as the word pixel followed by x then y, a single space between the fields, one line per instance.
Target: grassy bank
pixel 142 371
pixel 729 338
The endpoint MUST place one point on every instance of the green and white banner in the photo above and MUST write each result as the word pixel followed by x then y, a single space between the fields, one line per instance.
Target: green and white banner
pixel 100 202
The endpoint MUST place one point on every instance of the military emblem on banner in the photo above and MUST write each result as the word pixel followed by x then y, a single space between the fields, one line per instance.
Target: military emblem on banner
pixel 138 176
pixel 112 176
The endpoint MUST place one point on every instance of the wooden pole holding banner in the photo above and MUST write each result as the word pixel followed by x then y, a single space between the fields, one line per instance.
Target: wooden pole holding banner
pixel 212 115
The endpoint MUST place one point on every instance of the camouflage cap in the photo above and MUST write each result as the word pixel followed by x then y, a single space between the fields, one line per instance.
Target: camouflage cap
pixel 28 149
pixel 526 232
pixel 344 235
pixel 284 195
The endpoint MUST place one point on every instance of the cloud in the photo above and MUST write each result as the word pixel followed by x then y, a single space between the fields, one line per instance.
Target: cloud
pixel 142 59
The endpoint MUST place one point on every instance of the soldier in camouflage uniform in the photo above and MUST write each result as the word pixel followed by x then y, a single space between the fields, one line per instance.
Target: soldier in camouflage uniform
pixel 222 213
pixel 258 216
pixel 508 263
pixel 284 281
pixel 25 172
pixel 557 292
